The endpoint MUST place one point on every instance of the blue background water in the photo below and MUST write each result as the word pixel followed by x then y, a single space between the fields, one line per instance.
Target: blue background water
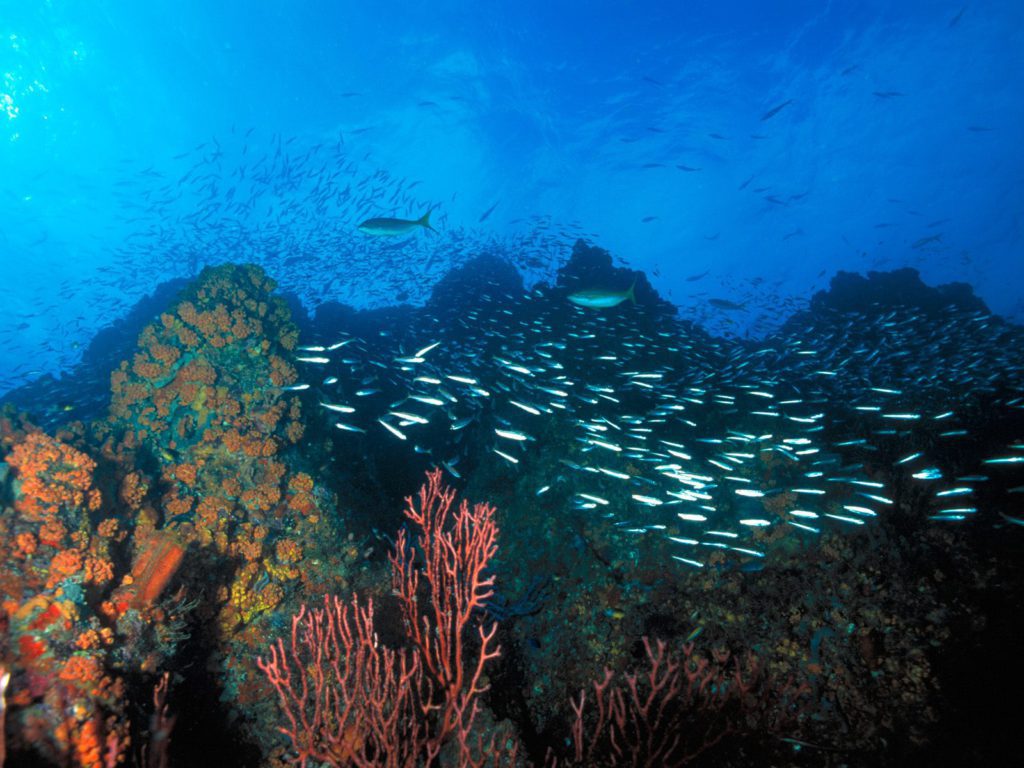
pixel 541 108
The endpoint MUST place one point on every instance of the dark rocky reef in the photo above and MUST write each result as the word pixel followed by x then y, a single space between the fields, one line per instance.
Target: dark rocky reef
pixel 456 293
pixel 592 267
pixel 84 392
pixel 493 279
pixel 852 292
pixel 484 273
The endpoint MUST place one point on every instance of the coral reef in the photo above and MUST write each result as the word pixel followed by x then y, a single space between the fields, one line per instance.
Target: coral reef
pixel 56 560
pixel 190 527
pixel 181 510
pixel 202 439
pixel 199 425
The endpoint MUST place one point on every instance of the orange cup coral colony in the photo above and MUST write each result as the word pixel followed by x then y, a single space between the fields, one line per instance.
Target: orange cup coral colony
pixel 51 477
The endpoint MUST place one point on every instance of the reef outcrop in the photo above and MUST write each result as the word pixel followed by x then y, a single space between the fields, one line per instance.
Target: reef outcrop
pixel 851 291
pixel 189 511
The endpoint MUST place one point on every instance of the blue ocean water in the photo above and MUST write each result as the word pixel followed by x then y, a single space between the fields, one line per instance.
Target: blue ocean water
pixel 719 305
pixel 645 128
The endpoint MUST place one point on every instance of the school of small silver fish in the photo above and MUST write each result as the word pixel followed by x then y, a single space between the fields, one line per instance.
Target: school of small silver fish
pixel 292 208
pixel 672 429
pixel 296 209
pixel 676 434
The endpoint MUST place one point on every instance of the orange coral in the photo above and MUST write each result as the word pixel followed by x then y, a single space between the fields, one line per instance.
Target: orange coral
pixel 302 503
pixel 301 499
pixel 231 487
pixel 109 528
pixel 248 544
pixel 133 489
pixel 82 668
pixel 198 371
pixel 233 441
pixel 186 473
pixel 227 406
pixel 165 353
pixel 147 369
pixel 52 477
pixel 281 372
pixel 295 431
pixel 211 510
pixel 64 564
pixel 270 417
pixel 98 570
pixel 119 378
pixel 188 337
pixel 262 498
pixel 288 551
pixel 200 401
pixel 25 544
pixel 89 744
pixel 275 471
pixel 52 533
pixel 88 640
pixel 187 312
pixel 176 506
pixel 300 482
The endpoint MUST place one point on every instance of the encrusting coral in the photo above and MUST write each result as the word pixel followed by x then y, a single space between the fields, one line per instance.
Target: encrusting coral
pixel 193 465
pixel 205 445
pixel 55 557
pixel 201 405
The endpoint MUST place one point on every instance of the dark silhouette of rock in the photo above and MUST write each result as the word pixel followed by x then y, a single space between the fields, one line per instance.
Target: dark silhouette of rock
pixel 84 391
pixel 458 291
pixel 850 291
pixel 590 267
pixel 485 274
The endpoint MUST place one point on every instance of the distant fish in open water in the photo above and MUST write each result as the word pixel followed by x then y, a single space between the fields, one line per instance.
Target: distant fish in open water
pixel 775 110
pixel 726 304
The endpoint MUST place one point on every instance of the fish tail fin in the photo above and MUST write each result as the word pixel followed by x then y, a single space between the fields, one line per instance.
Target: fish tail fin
pixel 630 294
pixel 424 221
